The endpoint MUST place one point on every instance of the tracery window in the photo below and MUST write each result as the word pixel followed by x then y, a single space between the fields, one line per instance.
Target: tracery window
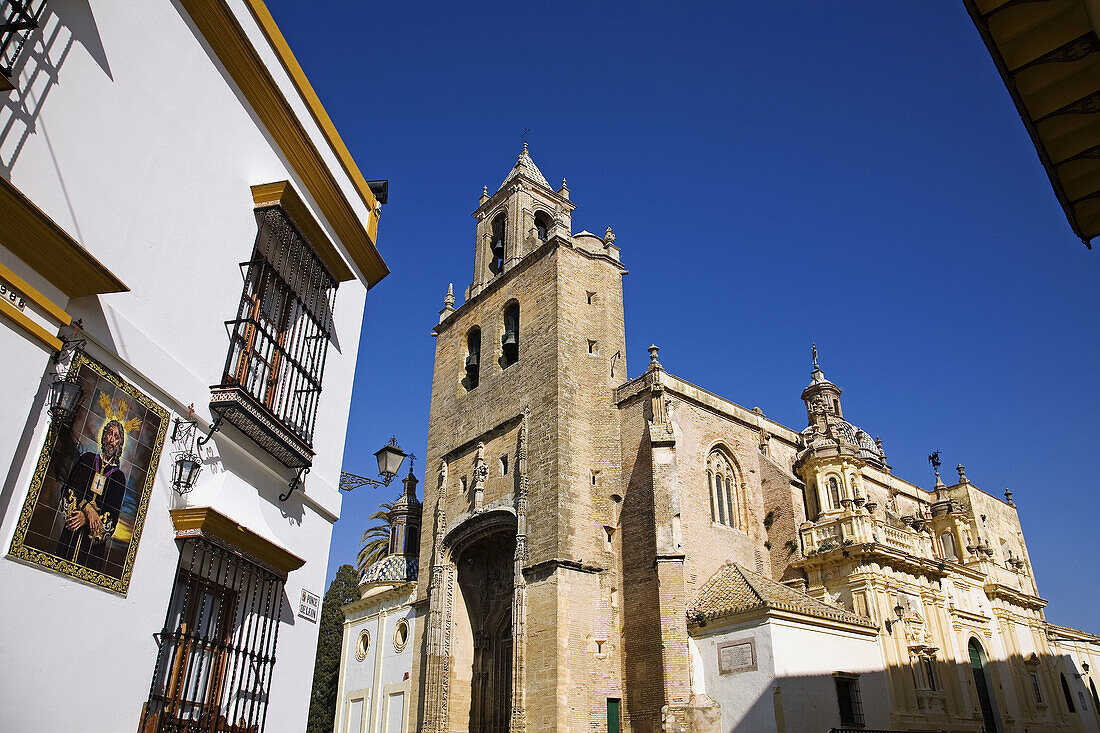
pixel 722 487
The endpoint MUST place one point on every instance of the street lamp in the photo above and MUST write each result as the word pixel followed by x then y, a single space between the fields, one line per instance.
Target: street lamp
pixel 390 457
pixel 64 398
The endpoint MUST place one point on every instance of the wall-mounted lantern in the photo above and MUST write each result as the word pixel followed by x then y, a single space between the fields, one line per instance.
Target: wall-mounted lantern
pixel 187 464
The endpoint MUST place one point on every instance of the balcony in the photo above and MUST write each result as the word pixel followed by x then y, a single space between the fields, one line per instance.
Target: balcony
pixel 278 344
pixel 17 19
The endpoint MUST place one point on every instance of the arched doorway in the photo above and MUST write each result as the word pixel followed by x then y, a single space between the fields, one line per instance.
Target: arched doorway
pixel 485 579
pixel 981 682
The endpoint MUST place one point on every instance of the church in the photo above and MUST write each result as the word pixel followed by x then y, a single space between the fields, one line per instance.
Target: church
pixel 601 553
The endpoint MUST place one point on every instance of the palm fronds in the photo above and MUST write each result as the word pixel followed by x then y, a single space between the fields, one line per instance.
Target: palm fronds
pixel 375 542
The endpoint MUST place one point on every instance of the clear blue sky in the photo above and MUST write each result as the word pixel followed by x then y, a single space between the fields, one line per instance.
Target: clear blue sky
pixel 847 173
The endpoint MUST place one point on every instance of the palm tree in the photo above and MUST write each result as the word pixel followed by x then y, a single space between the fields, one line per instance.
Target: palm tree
pixel 376 540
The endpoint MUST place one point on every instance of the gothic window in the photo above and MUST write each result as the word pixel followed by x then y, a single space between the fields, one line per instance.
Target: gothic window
pixel 713 508
pixel 496 244
pixel 834 493
pixel 722 487
pixel 510 340
pixel 473 358
pixel 542 225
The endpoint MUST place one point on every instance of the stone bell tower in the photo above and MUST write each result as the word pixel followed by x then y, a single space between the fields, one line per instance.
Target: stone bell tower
pixel 523 462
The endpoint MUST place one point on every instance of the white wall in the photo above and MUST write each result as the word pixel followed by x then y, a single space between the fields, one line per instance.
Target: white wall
pixel 799 659
pixel 385 671
pixel 127 134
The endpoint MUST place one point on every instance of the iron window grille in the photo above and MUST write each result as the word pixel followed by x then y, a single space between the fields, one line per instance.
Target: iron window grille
pixel 849 701
pixel 17 19
pixel 217 648
pixel 279 339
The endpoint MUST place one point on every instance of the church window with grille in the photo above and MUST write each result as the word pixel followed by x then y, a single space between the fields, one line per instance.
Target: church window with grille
pixel 217 648
pixel 722 487
pixel 848 699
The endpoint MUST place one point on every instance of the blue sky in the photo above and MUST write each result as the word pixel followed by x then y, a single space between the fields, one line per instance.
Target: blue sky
pixel 847 173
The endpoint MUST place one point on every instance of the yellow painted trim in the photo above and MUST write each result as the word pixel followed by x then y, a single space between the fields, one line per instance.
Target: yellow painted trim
pixel 283 194
pixel 212 522
pixel 53 343
pixel 34 238
pixel 313 102
pixel 222 30
pixel 32 294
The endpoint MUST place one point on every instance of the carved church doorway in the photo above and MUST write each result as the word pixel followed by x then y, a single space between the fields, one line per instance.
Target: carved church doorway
pixel 485 578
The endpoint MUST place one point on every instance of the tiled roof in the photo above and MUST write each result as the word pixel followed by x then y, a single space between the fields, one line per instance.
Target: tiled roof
pixel 391 569
pixel 527 167
pixel 734 589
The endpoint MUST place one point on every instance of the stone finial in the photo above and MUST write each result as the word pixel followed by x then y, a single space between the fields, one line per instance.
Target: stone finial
pixel 484 194
pixel 448 303
pixel 813 353
pixel 564 190
pixel 653 363
pixel 1008 498
pixel 609 236
pixel 961 469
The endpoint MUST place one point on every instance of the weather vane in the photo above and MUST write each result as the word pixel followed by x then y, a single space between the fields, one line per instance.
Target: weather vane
pixel 813 350
pixel 934 459
pixel 524 135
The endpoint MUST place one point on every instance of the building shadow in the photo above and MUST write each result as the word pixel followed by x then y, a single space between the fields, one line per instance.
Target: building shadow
pixel 37 71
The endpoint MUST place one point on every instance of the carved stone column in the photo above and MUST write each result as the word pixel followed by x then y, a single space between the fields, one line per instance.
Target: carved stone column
pixel 518 722
pixel 439 621
pixel 480 472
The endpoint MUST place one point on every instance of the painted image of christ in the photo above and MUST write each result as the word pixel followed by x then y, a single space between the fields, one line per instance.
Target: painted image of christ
pixel 91 499
pixel 87 500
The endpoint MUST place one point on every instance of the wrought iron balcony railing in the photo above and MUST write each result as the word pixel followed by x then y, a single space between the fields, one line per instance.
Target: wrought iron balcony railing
pixel 17 19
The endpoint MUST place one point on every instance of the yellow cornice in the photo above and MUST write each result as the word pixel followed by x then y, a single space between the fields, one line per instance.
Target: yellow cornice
pixel 52 342
pixel 281 193
pixel 34 238
pixel 221 29
pixel 32 294
pixel 209 521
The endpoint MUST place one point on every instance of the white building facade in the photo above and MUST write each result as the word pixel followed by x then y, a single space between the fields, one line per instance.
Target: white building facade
pixel 180 221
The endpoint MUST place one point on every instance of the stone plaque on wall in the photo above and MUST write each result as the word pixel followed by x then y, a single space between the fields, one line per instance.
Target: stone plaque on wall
pixel 737 656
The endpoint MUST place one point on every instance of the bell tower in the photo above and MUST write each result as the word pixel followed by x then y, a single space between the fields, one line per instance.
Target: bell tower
pixel 516 220
pixel 524 462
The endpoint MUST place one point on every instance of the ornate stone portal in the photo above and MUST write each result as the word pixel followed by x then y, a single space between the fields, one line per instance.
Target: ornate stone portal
pixel 485 581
